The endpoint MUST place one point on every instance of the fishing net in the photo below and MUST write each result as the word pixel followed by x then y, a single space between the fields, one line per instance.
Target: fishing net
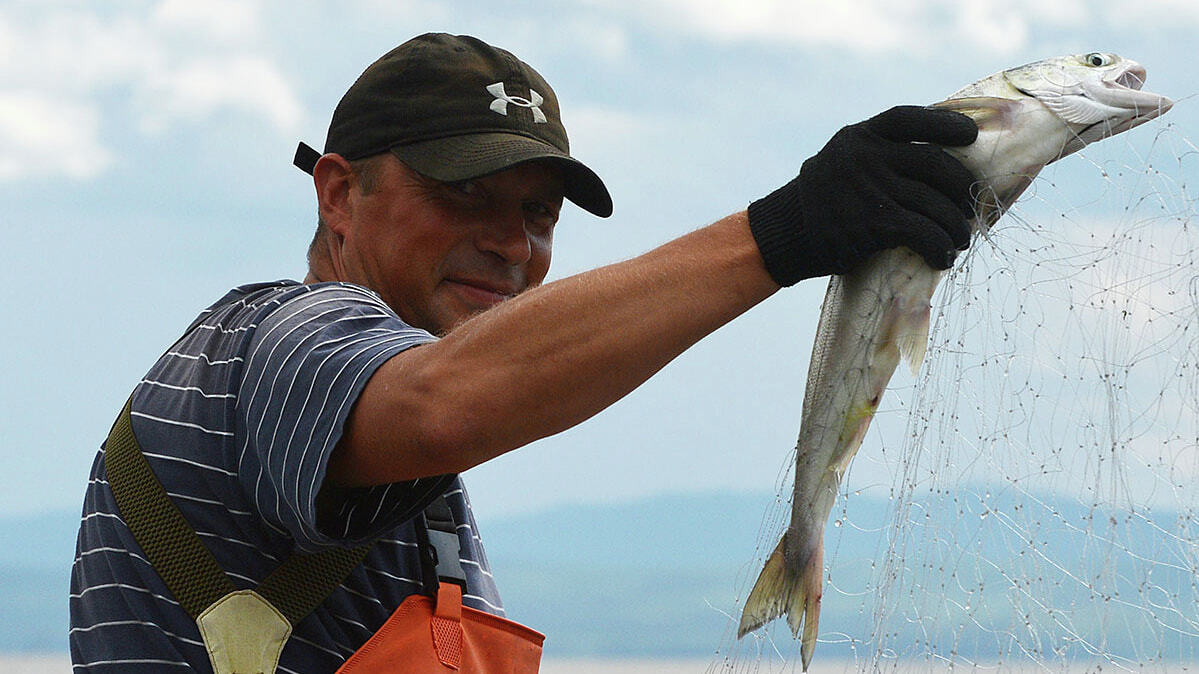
pixel 1038 505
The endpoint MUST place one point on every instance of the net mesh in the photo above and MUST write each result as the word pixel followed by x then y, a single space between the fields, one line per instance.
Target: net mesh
pixel 1030 500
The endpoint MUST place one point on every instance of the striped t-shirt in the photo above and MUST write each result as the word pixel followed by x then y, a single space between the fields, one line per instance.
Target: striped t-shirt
pixel 238 420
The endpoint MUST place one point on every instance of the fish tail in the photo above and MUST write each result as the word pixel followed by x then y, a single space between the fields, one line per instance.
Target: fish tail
pixel 795 592
pixel 813 591
pixel 772 594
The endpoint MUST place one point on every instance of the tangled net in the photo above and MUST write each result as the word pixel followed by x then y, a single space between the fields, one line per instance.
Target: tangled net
pixel 1043 509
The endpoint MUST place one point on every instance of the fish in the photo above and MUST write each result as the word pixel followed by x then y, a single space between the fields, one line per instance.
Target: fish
pixel 878 314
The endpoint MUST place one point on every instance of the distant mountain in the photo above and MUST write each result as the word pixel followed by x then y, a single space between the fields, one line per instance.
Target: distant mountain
pixel 35 567
pixel 646 578
pixel 40 540
pixel 594 576
pixel 989 576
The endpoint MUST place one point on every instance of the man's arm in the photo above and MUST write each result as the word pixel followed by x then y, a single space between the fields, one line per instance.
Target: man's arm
pixel 547 359
pixel 555 355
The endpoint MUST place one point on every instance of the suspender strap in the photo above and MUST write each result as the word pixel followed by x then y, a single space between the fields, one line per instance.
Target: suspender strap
pixel 303 581
pixel 188 568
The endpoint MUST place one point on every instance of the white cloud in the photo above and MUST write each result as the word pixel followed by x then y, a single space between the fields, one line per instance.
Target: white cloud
pixel 860 25
pixel 1058 12
pixel 198 89
pixel 230 20
pixel 167 62
pixel 416 12
pixel 1153 13
pixel 994 28
pixel 871 27
pixel 598 123
pixel 41 136
pixel 604 40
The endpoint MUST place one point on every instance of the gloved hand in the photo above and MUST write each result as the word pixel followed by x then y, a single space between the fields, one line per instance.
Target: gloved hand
pixel 878 184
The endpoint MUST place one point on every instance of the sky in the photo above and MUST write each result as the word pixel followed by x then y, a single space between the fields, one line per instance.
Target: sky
pixel 145 168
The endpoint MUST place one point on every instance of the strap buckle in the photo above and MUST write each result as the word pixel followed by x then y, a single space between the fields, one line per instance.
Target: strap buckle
pixel 444 548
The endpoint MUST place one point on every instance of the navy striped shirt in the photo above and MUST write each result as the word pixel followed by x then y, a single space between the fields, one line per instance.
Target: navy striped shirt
pixel 238 420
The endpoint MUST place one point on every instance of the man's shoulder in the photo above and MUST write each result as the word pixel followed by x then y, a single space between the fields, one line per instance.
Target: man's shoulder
pixel 262 299
pixel 254 295
pixel 282 292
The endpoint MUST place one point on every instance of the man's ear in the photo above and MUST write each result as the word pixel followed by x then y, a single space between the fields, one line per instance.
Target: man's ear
pixel 333 177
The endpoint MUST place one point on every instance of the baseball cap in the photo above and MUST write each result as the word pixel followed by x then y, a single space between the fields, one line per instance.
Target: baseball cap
pixel 453 108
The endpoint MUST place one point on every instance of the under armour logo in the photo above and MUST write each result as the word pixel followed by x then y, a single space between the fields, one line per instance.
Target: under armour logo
pixel 502 99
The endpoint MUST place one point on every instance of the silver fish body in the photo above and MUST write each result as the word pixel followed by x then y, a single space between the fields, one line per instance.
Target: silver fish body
pixel 878 314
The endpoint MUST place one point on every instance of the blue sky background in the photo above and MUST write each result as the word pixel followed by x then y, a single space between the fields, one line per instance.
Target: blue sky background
pixel 145 168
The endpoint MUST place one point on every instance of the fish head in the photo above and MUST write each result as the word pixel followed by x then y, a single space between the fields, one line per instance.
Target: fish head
pixel 1096 95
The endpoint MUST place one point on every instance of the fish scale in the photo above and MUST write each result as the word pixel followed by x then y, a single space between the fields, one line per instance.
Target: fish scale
pixel 878 314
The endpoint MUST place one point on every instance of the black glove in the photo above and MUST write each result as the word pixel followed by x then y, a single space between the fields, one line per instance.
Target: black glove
pixel 878 184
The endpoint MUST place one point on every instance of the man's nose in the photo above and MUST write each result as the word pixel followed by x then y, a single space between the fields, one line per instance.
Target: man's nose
pixel 506 237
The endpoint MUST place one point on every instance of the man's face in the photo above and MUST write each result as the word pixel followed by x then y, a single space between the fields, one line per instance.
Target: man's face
pixel 438 253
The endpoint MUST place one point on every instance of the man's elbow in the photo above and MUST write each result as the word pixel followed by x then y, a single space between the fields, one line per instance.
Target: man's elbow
pixel 405 447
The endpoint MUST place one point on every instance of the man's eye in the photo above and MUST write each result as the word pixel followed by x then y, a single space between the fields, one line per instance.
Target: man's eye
pixel 540 215
pixel 536 208
pixel 470 187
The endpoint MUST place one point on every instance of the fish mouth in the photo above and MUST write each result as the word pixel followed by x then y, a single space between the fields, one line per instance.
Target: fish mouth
pixel 1132 77
pixel 1094 103
pixel 1122 89
pixel 1121 92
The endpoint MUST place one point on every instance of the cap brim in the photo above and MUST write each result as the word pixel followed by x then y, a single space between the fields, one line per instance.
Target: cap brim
pixel 479 154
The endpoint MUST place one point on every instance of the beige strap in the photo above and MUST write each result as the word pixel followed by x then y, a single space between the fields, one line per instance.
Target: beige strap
pixel 243 634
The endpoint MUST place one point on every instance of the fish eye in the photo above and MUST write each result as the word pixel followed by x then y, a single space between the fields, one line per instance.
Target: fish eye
pixel 1098 60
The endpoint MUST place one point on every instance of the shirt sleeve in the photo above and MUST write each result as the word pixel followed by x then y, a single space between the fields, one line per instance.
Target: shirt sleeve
pixel 305 367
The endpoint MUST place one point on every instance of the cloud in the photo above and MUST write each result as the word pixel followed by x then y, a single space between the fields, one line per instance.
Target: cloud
pixel 250 84
pixel 598 122
pixel 66 68
pixel 860 26
pixel 877 27
pixel 1153 13
pixel 230 20
pixel 44 136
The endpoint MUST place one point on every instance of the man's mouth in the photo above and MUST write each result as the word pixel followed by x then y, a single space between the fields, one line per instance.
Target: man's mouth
pixel 482 293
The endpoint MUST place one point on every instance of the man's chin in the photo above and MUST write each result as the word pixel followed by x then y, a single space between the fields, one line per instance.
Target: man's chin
pixel 451 318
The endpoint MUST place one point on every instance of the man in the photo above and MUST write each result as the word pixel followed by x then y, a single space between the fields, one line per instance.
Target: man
pixel 303 416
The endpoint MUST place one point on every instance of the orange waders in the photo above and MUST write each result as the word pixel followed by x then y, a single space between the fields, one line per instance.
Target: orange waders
pixel 437 634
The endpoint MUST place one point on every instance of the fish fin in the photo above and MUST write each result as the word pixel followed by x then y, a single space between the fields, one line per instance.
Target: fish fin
pixel 913 343
pixel 813 591
pixel 771 594
pixel 986 111
pixel 780 590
